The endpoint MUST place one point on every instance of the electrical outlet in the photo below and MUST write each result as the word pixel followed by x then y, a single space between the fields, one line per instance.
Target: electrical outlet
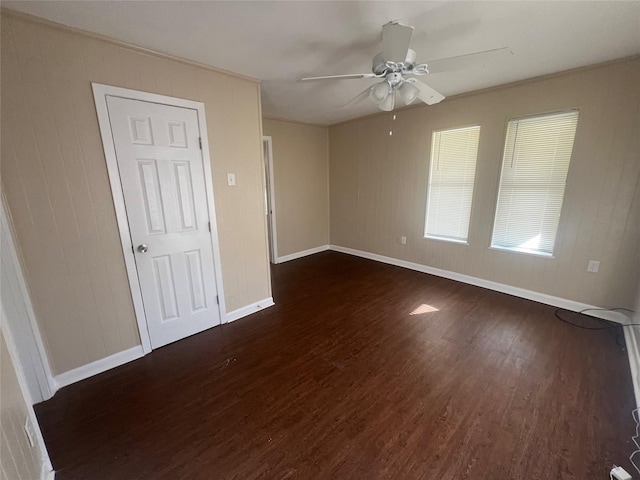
pixel 31 434
pixel 403 240
pixel 594 266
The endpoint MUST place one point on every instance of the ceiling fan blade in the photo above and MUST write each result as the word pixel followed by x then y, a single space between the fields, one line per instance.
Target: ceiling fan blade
pixel 395 41
pixel 469 60
pixel 427 94
pixel 338 77
pixel 358 98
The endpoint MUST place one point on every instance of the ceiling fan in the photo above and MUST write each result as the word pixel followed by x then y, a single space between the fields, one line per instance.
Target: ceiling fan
pixel 397 61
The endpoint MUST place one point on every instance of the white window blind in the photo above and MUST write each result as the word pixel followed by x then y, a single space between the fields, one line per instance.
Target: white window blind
pixel 535 164
pixel 451 176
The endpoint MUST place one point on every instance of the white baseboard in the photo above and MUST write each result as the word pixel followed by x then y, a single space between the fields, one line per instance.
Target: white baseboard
pixel 633 349
pixel 304 253
pixel 634 360
pixel 249 309
pixel 480 282
pixel 99 366
pixel 47 473
pixel 120 358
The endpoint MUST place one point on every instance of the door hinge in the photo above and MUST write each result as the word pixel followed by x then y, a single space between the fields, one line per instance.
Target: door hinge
pixel 217 300
pixel 200 142
pixel 209 227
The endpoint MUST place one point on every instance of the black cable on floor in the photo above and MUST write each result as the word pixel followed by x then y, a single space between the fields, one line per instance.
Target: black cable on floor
pixel 609 324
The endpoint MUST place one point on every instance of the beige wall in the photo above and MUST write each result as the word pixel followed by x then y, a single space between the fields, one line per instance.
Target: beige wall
pixel 18 460
pixel 55 179
pixel 378 185
pixel 301 176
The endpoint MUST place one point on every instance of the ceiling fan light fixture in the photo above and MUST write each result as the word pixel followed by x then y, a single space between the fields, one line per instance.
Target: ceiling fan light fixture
pixel 388 103
pixel 380 92
pixel 408 92
pixel 397 61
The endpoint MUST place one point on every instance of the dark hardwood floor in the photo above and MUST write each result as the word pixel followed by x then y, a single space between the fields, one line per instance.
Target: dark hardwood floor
pixel 340 381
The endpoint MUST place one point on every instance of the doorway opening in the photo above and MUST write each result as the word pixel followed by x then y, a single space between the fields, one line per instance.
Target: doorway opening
pixel 269 197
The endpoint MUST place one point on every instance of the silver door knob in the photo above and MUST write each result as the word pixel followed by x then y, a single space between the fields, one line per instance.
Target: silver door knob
pixel 142 248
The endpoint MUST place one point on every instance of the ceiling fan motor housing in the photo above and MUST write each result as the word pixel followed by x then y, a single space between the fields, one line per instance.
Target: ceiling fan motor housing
pixel 380 65
pixel 394 67
pixel 394 79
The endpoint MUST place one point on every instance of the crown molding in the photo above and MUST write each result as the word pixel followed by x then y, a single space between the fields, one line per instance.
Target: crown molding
pixel 106 39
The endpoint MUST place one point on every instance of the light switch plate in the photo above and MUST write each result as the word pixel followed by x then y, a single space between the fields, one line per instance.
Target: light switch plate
pixel 231 179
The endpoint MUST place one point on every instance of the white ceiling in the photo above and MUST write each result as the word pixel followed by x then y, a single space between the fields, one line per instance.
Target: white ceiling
pixel 279 42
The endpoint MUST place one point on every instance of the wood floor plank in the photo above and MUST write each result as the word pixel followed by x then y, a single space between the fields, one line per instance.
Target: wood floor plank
pixel 360 370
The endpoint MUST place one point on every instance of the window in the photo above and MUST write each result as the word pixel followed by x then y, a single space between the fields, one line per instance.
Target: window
pixel 451 175
pixel 535 163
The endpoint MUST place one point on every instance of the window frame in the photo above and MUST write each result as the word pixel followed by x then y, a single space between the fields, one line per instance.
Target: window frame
pixel 523 251
pixel 443 238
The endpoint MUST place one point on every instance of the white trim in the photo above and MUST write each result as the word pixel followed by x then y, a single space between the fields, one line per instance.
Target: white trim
pixel 634 360
pixel 249 309
pixel 459 241
pixel 301 254
pixel 100 93
pixel 480 282
pixel 99 366
pixel 44 375
pixel 271 191
pixel 47 472
pixel 505 137
pixel 633 353
pixel 129 46
pixel 208 180
pixel 633 349
pixel 522 251
pixel 22 384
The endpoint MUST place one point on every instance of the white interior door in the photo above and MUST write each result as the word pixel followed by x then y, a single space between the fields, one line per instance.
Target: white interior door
pixel 161 171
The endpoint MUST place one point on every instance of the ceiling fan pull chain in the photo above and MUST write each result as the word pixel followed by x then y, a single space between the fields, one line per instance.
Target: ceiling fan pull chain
pixel 393 119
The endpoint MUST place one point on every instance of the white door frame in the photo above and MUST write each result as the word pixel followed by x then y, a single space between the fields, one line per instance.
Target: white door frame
pixel 273 238
pixel 100 93
pixel 25 339
pixel 46 469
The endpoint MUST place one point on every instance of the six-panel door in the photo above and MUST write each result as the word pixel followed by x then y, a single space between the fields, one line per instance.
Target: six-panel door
pixel 162 176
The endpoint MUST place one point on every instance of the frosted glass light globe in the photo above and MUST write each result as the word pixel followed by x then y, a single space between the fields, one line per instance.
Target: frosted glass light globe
pixel 379 92
pixel 408 92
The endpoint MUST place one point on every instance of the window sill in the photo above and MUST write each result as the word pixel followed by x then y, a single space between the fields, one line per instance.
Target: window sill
pixel 522 251
pixel 446 239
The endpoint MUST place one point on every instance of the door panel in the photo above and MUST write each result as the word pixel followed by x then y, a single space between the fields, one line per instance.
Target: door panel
pixel 150 189
pixel 162 177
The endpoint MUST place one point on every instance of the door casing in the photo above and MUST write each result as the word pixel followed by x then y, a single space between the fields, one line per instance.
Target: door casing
pixel 100 93
pixel 267 142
